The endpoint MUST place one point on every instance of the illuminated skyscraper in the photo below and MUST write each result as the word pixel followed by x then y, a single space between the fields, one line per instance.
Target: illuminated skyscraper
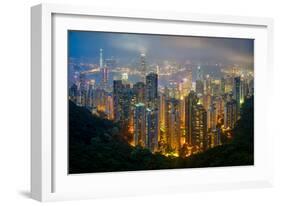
pixel 90 94
pixel 237 94
pixel 117 99
pixel 73 93
pixel 151 92
pixel 199 127
pixel 219 105
pixel 151 130
pixel 230 114
pixel 109 107
pixel 222 86
pixel 190 101
pixel 212 117
pixel 139 91
pixel 162 111
pixel 139 125
pixel 152 105
pixel 104 72
pixel 126 100
pixel 172 122
pixel 199 74
pixel 215 138
pixel 124 78
pixel 207 99
pixel 208 84
pixel 215 88
pixel 199 87
pixel 82 90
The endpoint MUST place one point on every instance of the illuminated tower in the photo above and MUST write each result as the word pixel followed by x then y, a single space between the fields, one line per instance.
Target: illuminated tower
pixel 237 94
pixel 139 125
pixel 222 86
pixel 139 91
pixel 122 98
pixel 151 92
pixel 173 124
pixel 124 78
pixel 199 74
pixel 230 114
pixel 82 90
pixel 117 99
pixel 199 87
pixel 151 130
pixel 199 127
pixel 190 101
pixel 101 59
pixel 73 93
pixel 162 109
pixel 104 71
pixel 152 105
pixel 109 107
pixel 212 117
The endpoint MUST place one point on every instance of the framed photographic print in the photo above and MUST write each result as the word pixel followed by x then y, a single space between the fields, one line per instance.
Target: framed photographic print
pixel 137 102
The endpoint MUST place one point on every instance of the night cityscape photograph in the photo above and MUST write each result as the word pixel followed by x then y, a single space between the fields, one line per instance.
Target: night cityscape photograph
pixel 149 102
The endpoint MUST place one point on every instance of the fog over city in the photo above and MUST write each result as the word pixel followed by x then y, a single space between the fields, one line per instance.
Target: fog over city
pixel 127 47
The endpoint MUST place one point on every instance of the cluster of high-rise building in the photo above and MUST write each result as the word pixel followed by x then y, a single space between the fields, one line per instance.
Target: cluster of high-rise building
pixel 181 118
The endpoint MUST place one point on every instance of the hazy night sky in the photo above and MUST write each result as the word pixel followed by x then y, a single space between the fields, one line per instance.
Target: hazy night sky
pixel 125 47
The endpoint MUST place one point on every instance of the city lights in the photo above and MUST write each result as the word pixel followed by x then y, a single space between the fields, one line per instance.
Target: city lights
pixel 175 108
pixel 176 115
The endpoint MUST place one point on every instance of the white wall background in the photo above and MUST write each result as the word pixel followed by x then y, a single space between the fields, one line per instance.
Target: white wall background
pixel 15 101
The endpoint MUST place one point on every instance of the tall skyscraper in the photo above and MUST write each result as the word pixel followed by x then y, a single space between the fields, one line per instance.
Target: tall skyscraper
pixel 109 107
pixel 237 94
pixel 199 73
pixel 212 117
pixel 117 99
pixel 199 87
pixel 208 84
pixel 139 125
pixel 73 93
pixel 222 86
pixel 151 92
pixel 162 108
pixel 190 101
pixel 151 130
pixel 125 78
pixel 199 127
pixel 139 91
pixel 152 105
pixel 172 124
pixel 230 114
pixel 104 72
pixel 82 90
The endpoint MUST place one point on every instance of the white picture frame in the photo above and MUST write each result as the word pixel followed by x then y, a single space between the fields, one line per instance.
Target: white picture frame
pixel 49 178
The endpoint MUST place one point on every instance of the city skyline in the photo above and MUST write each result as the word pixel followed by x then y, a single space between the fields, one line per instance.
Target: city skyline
pixel 161 103
pixel 126 47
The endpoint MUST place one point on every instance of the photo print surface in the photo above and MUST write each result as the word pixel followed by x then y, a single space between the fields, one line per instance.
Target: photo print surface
pixel 149 102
